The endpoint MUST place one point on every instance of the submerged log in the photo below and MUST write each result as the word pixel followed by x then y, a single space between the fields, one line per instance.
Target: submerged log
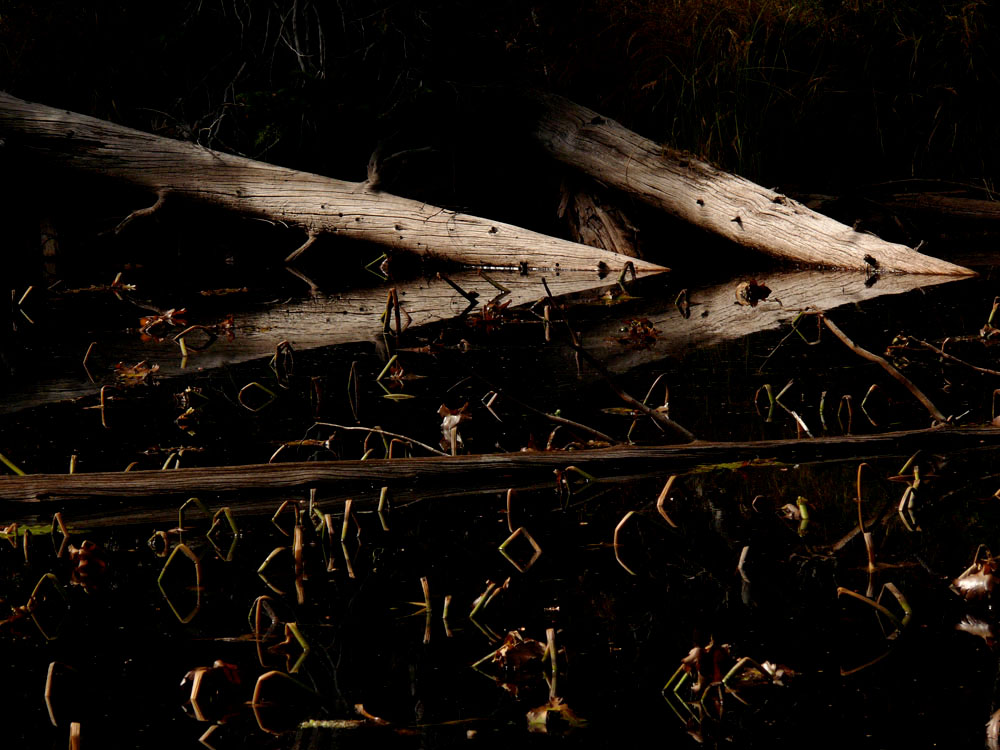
pixel 318 205
pixel 720 202
pixel 483 473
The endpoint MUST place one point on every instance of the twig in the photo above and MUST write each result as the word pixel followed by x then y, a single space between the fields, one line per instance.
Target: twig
pixel 379 431
pixel 870 356
pixel 951 358
pixel 161 197
pixel 551 417
pixel 654 414
pixel 310 240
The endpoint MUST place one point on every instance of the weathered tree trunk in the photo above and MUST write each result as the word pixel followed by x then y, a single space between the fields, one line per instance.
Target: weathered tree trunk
pixel 317 204
pixel 728 205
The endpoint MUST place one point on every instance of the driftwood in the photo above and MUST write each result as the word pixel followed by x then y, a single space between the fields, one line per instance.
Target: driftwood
pixel 317 205
pixel 723 203
pixel 484 473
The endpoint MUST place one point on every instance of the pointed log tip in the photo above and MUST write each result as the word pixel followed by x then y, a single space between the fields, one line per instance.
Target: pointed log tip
pixel 932 266
pixel 909 260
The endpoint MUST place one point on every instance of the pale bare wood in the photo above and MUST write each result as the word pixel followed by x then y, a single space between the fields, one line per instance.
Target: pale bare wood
pixel 726 204
pixel 316 204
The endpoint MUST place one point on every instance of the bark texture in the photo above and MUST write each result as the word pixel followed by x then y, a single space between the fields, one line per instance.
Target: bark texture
pixel 592 221
pixel 482 473
pixel 726 204
pixel 314 203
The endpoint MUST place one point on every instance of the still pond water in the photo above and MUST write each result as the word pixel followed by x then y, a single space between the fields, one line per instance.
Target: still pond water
pixel 364 636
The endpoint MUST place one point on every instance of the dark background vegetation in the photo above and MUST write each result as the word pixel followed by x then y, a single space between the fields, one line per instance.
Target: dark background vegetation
pixel 825 95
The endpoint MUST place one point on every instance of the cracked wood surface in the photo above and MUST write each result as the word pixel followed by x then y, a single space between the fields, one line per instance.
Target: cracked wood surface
pixel 312 202
pixel 736 208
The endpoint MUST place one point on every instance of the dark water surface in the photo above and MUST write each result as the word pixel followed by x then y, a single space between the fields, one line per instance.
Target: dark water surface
pixel 622 618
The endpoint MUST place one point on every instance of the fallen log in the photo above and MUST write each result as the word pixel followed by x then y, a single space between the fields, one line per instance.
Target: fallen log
pixel 318 205
pixel 725 204
pixel 483 473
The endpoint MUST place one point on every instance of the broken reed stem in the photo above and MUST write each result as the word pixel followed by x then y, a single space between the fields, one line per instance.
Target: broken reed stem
pixel 395 306
pixel 618 530
pixel 662 499
pixel 951 358
pixel 741 565
pixel 550 647
pixel 426 586
pixel 872 603
pixel 310 241
pixel 347 519
pixel 866 535
pixel 551 417
pixel 885 365
pixel 380 431
pixel 11 465
pixel 141 213
pixel 657 416
pixel 297 549
pixel 86 356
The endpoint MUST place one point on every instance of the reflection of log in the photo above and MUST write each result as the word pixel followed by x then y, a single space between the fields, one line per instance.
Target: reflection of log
pixel 317 204
pixel 322 320
pixel 716 316
pixel 484 473
pixel 725 204
pixel 353 315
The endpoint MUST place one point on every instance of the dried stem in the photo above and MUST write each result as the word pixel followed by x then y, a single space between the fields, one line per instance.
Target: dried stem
pixel 881 361
pixel 380 431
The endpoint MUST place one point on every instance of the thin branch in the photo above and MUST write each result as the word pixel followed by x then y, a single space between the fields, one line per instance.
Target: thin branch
pixel 379 431
pixel 310 239
pixel 951 358
pixel 872 357
pixel 161 196
pixel 654 414
pixel 551 417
